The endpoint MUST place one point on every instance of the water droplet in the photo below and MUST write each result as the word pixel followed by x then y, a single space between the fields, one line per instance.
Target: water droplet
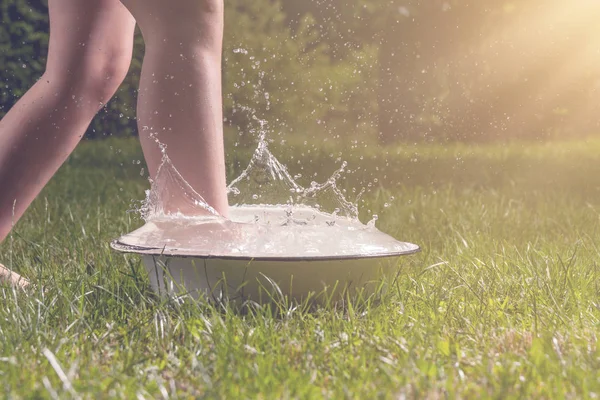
pixel 371 223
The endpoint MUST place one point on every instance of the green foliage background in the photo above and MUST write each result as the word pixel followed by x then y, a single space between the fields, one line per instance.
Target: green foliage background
pixel 377 70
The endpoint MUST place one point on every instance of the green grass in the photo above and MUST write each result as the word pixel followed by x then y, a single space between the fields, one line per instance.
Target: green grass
pixel 503 302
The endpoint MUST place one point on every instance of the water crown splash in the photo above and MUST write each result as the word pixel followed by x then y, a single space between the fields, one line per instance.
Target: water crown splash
pixel 266 181
pixel 171 196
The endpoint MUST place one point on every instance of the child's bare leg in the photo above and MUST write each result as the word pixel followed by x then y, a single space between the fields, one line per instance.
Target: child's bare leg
pixel 89 55
pixel 180 93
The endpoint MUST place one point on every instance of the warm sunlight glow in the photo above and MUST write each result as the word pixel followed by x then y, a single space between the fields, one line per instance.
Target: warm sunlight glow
pixel 544 53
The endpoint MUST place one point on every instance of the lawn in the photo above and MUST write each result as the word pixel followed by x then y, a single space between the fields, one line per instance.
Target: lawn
pixel 503 301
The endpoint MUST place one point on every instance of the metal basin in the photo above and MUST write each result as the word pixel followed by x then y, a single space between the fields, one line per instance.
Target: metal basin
pixel 266 253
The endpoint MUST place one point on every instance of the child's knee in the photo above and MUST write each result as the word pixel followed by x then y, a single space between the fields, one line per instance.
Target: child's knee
pixel 93 77
pixel 106 73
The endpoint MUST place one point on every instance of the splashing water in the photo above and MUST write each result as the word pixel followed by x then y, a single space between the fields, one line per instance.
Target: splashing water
pixel 262 232
pixel 272 215
pixel 267 181
pixel 171 196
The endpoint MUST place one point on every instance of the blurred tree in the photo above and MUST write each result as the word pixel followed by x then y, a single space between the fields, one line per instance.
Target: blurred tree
pixel 466 69
pixel 23 44
pixel 405 69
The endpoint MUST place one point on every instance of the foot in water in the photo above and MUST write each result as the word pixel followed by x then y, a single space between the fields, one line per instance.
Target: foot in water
pixel 10 277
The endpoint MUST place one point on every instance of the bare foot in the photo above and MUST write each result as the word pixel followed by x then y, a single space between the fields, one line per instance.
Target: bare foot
pixel 8 276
